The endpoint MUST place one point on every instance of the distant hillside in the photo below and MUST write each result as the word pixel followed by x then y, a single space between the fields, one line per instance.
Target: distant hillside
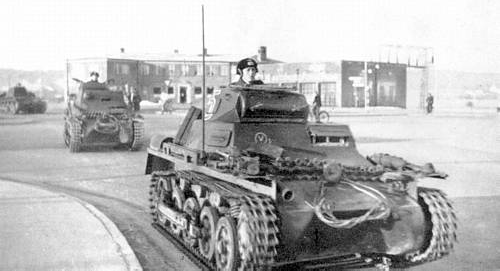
pixel 49 83
pixel 466 81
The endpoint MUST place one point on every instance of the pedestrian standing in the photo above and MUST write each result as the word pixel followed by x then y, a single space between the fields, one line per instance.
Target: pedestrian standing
pixel 316 106
pixel 136 100
pixel 430 103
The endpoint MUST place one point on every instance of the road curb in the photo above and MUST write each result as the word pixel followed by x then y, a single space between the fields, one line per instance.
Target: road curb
pixel 15 121
pixel 122 246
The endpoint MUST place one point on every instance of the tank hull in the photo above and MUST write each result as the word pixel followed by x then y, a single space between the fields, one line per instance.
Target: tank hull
pixel 307 237
pixel 264 188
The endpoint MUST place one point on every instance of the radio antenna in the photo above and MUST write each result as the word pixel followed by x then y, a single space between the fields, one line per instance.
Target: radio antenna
pixel 203 80
pixel 66 96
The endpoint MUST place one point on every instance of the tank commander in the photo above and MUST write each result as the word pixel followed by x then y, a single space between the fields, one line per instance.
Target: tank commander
pixel 94 77
pixel 94 83
pixel 247 69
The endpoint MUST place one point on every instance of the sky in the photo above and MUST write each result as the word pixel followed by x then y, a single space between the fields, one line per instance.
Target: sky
pixel 42 34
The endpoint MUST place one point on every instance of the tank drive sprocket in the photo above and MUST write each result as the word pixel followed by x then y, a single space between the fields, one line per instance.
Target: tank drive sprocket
pixel 443 223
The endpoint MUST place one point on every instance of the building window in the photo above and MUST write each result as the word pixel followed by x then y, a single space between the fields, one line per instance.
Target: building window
pixel 171 69
pixel 290 85
pixel 197 90
pixel 328 90
pixel 156 90
pixel 307 88
pixel 178 70
pixel 124 69
pixel 158 70
pixel 215 70
pixel 121 68
pixel 199 69
pixel 185 71
pixel 224 70
pixel 145 69
pixel 210 90
pixel 192 70
pixel 170 90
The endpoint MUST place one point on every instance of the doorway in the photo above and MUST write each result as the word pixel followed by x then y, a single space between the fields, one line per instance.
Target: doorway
pixel 182 95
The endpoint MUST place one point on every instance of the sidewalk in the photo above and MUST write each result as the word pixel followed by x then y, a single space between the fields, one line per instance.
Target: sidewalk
pixel 42 230
pixel 396 111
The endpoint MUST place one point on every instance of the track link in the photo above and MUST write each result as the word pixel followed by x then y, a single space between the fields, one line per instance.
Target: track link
pixel 258 231
pixel 138 135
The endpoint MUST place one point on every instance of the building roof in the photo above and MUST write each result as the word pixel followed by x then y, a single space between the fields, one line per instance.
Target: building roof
pixel 267 61
pixel 159 57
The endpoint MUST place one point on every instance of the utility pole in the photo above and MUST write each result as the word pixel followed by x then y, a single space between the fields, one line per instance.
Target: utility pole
pixel 367 89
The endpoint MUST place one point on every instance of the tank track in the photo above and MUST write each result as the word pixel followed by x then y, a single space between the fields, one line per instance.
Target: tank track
pixel 257 226
pixel 138 135
pixel 442 232
pixel 75 140
pixel 259 214
pixel 182 245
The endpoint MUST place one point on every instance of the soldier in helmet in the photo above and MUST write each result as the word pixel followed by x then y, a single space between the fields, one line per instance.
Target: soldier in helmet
pixel 247 69
pixel 94 76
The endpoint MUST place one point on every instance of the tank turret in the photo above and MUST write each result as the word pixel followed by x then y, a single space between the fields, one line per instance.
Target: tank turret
pixel 268 189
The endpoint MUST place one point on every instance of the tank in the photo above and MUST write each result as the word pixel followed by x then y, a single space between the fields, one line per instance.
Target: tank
pixel 97 116
pixel 19 100
pixel 267 189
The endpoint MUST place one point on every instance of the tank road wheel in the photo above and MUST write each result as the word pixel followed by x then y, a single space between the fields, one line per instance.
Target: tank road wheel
pixel 226 244
pixel 178 203
pixel 441 229
pixel 208 223
pixel 192 209
pixel 75 137
pixel 137 135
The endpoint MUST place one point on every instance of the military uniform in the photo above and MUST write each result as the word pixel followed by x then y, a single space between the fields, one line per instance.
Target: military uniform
pixel 245 84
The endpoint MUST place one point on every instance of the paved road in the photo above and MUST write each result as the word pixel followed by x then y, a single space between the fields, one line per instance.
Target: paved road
pixel 32 151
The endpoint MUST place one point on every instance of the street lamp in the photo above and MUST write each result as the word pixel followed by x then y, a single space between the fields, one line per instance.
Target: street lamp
pixel 375 85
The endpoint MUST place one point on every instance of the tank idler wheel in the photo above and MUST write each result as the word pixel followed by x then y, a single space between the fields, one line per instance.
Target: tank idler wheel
pixel 192 209
pixel 208 223
pixel 156 193
pixel 178 203
pixel 226 244
pixel 75 137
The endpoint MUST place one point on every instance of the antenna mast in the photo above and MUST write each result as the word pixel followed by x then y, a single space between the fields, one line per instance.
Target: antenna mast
pixel 66 97
pixel 203 80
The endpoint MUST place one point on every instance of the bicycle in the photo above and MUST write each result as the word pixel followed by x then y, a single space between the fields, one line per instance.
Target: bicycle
pixel 323 116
